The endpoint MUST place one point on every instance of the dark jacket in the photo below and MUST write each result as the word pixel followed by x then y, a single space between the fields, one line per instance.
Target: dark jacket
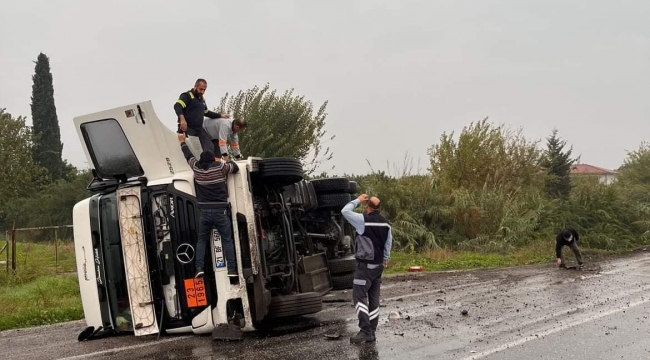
pixel 559 241
pixel 210 183
pixel 194 108
pixel 370 245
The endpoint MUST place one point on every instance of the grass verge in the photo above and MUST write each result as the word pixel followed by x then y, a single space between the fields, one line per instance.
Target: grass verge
pixel 46 300
pixel 41 292
pixel 444 259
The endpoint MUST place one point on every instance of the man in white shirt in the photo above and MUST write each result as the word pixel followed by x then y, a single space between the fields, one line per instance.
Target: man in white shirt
pixel 221 130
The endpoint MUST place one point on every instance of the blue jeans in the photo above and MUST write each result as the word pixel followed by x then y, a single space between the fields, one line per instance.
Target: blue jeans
pixel 219 219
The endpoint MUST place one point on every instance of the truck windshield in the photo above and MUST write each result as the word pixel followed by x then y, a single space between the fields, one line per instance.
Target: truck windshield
pixel 110 150
pixel 115 273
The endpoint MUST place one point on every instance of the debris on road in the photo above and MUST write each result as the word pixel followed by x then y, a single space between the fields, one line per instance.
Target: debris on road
pixel 334 336
pixel 227 332
pixel 394 315
pixel 335 300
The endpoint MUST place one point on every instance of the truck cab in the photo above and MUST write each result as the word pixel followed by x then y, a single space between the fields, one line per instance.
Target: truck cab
pixel 136 234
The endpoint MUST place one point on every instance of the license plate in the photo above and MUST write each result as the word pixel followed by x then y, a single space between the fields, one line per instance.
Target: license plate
pixel 195 293
pixel 218 250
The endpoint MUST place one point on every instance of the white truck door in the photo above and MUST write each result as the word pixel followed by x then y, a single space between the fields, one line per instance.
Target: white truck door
pixel 130 141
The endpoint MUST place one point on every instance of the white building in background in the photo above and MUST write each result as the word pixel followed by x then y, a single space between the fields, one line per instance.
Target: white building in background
pixel 604 176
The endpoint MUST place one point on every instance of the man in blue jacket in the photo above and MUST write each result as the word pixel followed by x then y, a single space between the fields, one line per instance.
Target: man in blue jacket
pixel 190 109
pixel 372 251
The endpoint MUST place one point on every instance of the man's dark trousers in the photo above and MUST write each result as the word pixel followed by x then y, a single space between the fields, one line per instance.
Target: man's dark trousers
pixel 576 251
pixel 365 293
pixel 204 138
pixel 219 219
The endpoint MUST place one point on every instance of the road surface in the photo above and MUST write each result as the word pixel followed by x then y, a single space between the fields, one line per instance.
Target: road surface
pixel 533 312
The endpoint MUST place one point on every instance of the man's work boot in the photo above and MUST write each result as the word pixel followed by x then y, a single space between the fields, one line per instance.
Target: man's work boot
pixel 361 337
pixel 232 273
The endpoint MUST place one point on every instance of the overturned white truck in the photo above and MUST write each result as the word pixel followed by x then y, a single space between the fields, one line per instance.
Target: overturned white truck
pixel 135 236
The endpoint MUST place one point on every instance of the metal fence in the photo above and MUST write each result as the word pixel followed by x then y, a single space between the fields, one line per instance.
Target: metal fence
pixel 9 248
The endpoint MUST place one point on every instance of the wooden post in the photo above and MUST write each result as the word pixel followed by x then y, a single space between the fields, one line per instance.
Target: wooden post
pixel 13 248
pixel 56 252
pixel 7 250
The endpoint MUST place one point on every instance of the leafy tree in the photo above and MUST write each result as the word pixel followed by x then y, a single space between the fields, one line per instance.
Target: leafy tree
pixel 483 155
pixel 47 135
pixel 634 175
pixel 557 163
pixel 20 176
pixel 70 172
pixel 52 205
pixel 636 166
pixel 280 125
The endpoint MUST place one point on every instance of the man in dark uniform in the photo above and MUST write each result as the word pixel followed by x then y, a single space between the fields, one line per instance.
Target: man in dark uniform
pixel 373 242
pixel 191 109
pixel 567 237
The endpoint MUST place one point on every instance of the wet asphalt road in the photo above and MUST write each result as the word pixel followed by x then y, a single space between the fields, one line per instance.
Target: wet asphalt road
pixel 535 312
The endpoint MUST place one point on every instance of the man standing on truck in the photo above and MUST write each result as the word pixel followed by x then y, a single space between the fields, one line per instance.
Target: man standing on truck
pixel 191 109
pixel 373 242
pixel 212 198
pixel 568 237
pixel 222 130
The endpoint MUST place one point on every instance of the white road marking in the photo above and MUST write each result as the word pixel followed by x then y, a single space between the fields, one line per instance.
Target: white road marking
pixel 554 330
pixel 124 348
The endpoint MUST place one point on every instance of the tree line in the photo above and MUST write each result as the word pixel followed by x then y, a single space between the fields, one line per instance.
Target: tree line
pixel 38 187
pixel 488 188
pixel 491 189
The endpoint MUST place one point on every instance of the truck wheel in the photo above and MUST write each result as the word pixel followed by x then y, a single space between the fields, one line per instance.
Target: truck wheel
pixel 312 195
pixel 331 185
pixel 333 201
pixel 281 171
pixel 342 265
pixel 354 187
pixel 342 282
pixel 295 305
pixel 310 201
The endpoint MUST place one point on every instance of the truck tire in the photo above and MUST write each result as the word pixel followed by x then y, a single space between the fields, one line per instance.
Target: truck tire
pixel 343 282
pixel 354 187
pixel 313 198
pixel 343 265
pixel 281 171
pixel 295 305
pixel 333 201
pixel 331 185
pixel 309 200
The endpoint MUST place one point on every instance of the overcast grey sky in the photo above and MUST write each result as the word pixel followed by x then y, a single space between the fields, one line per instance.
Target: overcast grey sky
pixel 398 72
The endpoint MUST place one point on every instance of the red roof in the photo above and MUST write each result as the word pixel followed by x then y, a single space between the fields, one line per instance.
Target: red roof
pixel 590 170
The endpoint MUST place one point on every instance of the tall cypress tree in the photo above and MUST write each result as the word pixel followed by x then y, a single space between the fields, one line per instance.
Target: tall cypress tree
pixel 558 164
pixel 47 134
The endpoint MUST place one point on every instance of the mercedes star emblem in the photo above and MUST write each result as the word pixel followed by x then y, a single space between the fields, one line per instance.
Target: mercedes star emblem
pixel 185 253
